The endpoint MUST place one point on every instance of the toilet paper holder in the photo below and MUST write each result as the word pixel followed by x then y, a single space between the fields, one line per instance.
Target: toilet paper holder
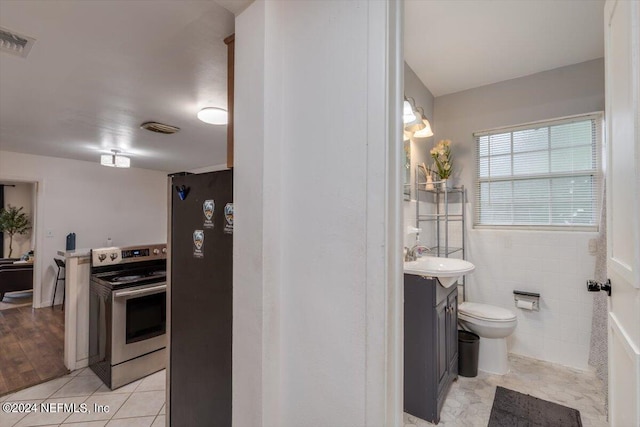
pixel 527 300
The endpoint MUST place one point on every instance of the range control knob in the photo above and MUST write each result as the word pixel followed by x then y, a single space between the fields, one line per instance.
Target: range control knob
pixel 164 250
pixel 102 257
pixel 113 255
pixel 156 251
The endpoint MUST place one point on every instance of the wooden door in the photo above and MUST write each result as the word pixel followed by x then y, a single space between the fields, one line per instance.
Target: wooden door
pixel 622 71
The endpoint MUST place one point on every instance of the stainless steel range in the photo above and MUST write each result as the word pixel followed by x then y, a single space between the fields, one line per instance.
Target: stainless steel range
pixel 127 313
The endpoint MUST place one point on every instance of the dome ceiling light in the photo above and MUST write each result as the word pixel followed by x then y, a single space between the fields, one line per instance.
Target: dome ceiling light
pixel 214 116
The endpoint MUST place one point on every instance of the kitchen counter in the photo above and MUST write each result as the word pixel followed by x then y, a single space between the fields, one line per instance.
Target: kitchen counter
pixel 76 316
pixel 76 253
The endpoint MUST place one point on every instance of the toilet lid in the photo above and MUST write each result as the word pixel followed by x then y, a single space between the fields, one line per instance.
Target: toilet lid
pixel 485 312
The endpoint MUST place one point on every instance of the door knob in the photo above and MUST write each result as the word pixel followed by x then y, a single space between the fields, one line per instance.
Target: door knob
pixel 594 286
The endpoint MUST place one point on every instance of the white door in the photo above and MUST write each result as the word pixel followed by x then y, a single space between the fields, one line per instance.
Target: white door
pixel 622 51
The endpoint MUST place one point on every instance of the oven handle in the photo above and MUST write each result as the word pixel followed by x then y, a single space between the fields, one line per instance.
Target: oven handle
pixel 140 292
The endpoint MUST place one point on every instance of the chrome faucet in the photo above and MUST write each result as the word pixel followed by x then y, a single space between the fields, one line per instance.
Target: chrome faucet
pixel 415 251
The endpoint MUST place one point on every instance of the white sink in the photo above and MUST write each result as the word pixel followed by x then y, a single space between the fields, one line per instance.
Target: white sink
pixel 446 270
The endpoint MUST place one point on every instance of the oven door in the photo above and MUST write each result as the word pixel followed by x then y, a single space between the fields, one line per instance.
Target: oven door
pixel 139 321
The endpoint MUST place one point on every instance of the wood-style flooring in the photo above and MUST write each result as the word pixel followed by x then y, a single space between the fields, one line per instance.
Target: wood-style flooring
pixel 31 347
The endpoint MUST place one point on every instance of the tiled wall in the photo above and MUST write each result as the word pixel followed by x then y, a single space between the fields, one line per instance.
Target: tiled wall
pixel 554 264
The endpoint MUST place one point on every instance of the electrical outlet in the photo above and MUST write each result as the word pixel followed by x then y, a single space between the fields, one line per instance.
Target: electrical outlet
pixel 49 234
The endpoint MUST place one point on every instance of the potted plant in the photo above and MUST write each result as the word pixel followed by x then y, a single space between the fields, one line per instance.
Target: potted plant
pixel 13 221
pixel 441 154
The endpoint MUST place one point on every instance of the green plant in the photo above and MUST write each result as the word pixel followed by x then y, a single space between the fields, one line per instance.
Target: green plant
pixel 441 154
pixel 13 221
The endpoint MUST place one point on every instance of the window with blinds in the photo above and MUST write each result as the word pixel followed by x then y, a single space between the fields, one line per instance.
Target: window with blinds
pixel 542 175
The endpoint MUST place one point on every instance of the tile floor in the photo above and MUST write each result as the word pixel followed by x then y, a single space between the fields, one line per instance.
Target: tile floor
pixel 468 405
pixel 139 404
pixel 470 399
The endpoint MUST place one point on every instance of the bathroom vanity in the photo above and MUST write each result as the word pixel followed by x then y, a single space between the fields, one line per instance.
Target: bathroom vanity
pixel 430 345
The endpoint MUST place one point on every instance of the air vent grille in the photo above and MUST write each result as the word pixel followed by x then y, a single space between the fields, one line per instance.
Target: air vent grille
pixel 16 44
pixel 159 127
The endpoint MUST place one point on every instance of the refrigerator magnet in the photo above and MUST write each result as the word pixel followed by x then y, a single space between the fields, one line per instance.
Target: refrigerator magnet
pixel 208 208
pixel 198 243
pixel 183 191
pixel 228 217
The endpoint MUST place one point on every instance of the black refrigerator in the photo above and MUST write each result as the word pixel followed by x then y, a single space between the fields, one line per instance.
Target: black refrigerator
pixel 201 295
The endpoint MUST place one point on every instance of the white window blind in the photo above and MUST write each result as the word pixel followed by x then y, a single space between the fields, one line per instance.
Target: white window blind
pixel 541 175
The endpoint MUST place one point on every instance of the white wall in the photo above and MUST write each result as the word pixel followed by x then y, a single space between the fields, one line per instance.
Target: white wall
pixel 555 264
pixel 255 329
pixel 414 88
pixel 312 226
pixel 95 202
pixel 19 195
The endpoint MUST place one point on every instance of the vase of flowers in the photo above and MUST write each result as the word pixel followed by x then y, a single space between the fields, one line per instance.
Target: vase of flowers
pixel 442 162
pixel 428 176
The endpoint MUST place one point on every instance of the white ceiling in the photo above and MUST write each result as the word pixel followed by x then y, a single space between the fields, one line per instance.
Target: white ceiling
pixel 99 69
pixel 462 44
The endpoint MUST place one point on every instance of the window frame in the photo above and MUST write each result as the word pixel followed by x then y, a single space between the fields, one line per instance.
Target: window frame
pixel 597 173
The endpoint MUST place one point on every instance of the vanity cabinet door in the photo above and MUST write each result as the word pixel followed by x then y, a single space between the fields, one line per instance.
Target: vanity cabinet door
pixel 452 334
pixel 430 346
pixel 442 362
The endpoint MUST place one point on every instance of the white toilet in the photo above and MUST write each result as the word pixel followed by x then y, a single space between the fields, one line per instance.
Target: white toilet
pixel 493 325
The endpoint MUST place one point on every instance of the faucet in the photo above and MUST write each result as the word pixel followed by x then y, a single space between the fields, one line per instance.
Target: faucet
pixel 415 251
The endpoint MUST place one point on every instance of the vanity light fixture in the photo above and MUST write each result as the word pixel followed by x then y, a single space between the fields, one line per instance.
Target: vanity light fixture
pixel 411 116
pixel 415 125
pixel 115 160
pixel 426 132
pixel 214 116
pixel 407 112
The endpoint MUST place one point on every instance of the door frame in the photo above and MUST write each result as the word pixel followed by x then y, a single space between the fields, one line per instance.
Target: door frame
pixel 37 213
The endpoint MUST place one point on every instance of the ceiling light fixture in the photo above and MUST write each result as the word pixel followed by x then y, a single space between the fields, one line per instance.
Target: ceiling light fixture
pixel 115 160
pixel 214 116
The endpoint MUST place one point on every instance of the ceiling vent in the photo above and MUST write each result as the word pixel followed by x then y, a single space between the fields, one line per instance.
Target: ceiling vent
pixel 16 44
pixel 159 128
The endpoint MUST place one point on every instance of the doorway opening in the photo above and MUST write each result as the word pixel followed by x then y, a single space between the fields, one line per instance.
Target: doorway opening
pixel 32 338
pixel 17 200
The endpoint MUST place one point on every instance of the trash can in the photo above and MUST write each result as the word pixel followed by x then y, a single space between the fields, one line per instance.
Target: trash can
pixel 468 351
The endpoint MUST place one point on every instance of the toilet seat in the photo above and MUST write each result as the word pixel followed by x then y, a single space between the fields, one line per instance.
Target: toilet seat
pixel 486 312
